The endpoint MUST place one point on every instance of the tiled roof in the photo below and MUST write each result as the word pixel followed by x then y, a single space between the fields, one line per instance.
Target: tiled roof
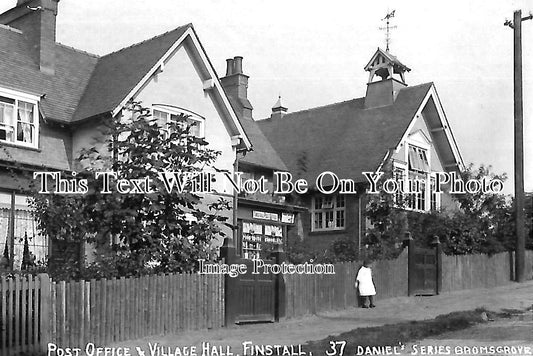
pixel 84 85
pixel 344 137
pixel 116 74
pixel 18 71
pixel 263 154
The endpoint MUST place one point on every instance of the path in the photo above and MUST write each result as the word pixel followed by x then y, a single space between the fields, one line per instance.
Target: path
pixel 316 327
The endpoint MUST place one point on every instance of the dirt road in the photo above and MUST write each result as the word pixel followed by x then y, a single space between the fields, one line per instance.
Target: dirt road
pixel 389 311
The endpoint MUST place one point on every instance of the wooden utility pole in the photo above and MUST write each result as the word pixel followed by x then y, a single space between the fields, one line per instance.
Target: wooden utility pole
pixel 516 25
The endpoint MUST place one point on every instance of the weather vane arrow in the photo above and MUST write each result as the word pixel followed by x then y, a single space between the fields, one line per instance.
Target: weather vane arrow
pixel 388 27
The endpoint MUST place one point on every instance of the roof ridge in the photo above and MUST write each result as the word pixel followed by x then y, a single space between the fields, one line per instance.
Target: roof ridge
pixel 9 28
pixel 147 40
pixel 342 102
pixel 78 50
pixel 323 106
pixel 418 85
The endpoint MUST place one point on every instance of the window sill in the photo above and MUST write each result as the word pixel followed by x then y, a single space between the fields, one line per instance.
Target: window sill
pixel 16 145
pixel 327 232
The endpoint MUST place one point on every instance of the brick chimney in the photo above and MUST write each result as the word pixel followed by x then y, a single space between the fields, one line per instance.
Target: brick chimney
pixel 235 84
pixel 37 21
pixel 278 110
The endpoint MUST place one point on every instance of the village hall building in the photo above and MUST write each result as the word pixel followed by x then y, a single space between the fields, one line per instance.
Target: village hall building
pixel 394 127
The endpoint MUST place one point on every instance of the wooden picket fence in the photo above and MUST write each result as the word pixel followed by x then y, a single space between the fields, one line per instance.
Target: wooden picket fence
pixel 309 294
pixel 23 310
pixel 461 272
pixel 37 311
pixel 312 293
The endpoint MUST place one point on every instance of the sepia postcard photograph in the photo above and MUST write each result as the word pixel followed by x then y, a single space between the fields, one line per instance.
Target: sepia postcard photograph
pixel 266 178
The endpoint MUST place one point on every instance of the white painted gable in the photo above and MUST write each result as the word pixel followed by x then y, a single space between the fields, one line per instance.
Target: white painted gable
pixel 179 85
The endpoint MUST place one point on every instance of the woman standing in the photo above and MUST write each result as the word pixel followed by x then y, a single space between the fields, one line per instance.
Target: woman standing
pixel 365 285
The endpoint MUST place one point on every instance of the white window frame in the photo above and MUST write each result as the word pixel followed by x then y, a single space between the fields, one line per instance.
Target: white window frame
pixel 432 193
pixel 172 110
pixel 409 174
pixel 25 98
pixel 334 208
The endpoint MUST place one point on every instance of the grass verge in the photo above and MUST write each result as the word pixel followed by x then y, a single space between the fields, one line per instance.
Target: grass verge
pixel 402 333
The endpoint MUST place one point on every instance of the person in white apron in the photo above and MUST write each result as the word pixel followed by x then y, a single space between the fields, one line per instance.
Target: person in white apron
pixel 365 285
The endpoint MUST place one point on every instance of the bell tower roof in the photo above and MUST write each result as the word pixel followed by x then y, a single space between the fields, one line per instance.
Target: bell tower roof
pixel 385 65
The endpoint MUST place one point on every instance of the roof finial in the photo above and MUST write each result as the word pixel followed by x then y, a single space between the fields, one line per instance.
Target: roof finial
pixel 388 27
pixel 278 105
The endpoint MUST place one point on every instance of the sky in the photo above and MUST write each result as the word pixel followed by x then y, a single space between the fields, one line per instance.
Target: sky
pixel 312 53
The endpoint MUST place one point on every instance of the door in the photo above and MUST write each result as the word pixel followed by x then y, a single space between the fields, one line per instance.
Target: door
pixel 424 272
pixel 255 295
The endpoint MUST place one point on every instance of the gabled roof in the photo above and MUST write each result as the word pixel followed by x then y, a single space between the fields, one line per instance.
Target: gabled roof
pixel 85 85
pixel 117 73
pixel 389 57
pixel 344 137
pixel 262 153
pixel 62 91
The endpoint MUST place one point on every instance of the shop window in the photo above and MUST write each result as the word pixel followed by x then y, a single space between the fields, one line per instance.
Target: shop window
pixel 25 226
pixel 328 213
pixel 259 239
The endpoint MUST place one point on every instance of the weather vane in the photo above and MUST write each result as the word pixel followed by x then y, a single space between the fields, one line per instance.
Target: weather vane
pixel 388 28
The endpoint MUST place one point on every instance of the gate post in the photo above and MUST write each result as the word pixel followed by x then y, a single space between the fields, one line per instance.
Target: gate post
pixel 438 258
pixel 410 243
pixel 279 286
pixel 228 255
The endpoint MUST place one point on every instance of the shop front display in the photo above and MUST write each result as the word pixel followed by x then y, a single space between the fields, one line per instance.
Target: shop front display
pixel 263 230
pixel 258 239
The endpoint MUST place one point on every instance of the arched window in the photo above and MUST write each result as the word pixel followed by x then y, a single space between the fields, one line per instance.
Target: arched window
pixel 169 113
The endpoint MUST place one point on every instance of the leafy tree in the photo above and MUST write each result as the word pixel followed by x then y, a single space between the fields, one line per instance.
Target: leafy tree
pixel 482 223
pixel 384 237
pixel 138 233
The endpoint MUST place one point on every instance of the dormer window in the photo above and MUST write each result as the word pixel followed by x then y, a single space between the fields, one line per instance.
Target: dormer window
pixel 167 115
pixel 19 121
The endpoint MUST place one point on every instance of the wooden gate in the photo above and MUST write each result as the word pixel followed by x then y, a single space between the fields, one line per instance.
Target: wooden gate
pixel 424 270
pixel 255 295
pixel 252 297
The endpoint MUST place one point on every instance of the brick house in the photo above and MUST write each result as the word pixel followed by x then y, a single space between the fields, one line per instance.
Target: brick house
pixel 394 126
pixel 53 98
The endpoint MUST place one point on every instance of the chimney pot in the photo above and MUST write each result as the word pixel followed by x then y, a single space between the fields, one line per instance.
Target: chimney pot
pixel 229 66
pixel 237 69
pixel 235 84
pixel 37 20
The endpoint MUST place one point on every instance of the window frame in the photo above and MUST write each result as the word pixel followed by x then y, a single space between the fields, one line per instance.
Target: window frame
pixel 27 99
pixel 335 209
pixel 174 110
pixel 414 201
